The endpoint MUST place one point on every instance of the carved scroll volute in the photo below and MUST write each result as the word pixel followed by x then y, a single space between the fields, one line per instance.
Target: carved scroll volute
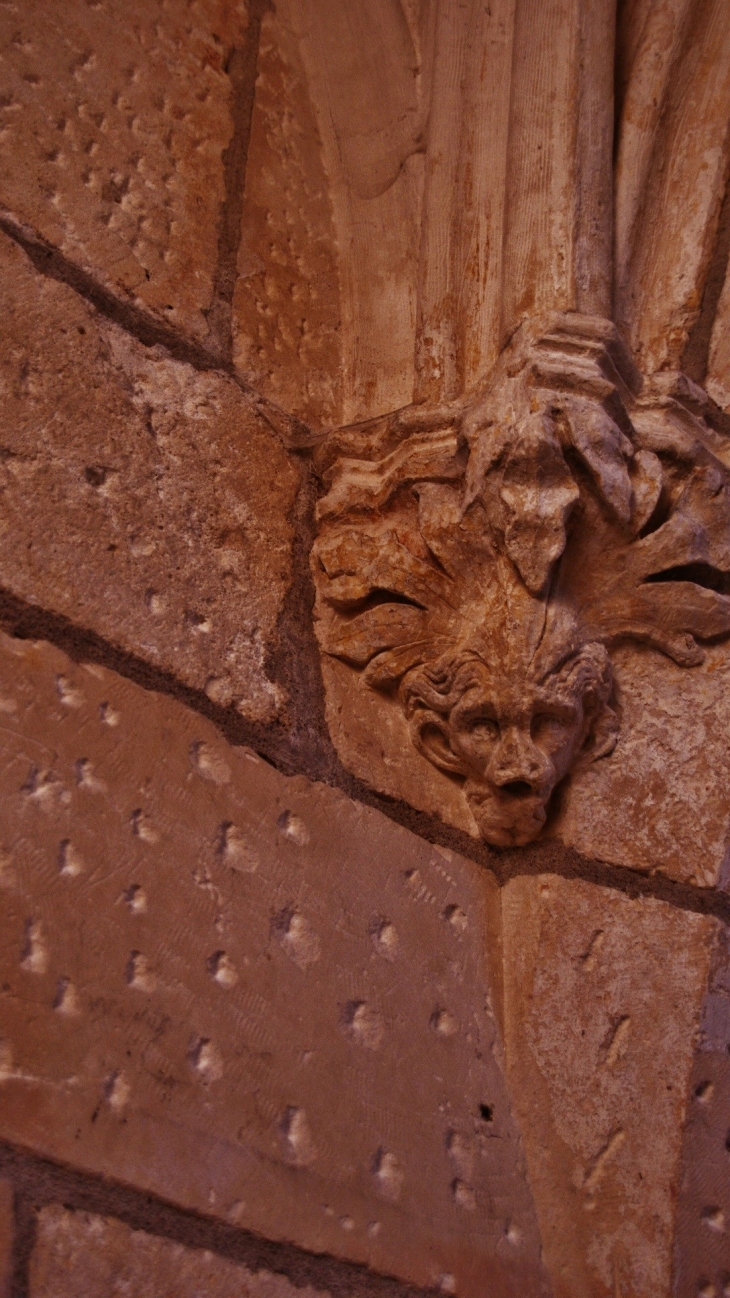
pixel 476 562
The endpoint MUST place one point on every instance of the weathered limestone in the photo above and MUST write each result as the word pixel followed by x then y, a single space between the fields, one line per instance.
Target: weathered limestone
pixel 476 564
pixel 667 773
pixel 366 76
pixel 671 172
pixel 247 993
pixel 79 1253
pixel 558 488
pixel 113 142
pixel 602 1009
pixel 702 1245
pixel 144 500
pixel 491 308
pixel 718 372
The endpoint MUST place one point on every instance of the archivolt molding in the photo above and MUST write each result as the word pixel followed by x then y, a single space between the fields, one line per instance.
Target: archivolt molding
pixel 477 561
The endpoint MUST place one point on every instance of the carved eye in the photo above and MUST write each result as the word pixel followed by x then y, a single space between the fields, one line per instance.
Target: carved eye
pixel 484 728
pixel 546 723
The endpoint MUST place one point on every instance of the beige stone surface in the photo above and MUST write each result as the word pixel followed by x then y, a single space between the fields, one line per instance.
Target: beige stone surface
pixel 142 499
pixel 481 249
pixel 702 1243
pixel 115 119
pixel 602 1009
pixel 247 993
pixel 671 172
pixel 367 80
pixel 79 1254
pixel 557 177
pixel 372 739
pixel 718 372
pixel 667 774
pixel 452 163
pixel 6 1238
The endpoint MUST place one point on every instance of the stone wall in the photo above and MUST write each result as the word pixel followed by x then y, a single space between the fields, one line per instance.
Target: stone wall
pixel 364 594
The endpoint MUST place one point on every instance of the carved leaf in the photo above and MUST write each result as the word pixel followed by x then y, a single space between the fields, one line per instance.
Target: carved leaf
pixel 386 669
pixel 364 484
pixel 604 450
pixel 369 633
pixel 669 616
pixel 646 480
pixel 698 530
pixel 669 587
pixel 357 563
pixel 539 493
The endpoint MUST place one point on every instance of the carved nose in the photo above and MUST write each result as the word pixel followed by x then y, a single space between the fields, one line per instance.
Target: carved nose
pixel 516 768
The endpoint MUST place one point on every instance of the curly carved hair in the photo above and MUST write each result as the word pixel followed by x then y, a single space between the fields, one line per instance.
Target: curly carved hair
pixel 437 686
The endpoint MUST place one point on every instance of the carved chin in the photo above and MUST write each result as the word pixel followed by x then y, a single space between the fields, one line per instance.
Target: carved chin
pixel 505 820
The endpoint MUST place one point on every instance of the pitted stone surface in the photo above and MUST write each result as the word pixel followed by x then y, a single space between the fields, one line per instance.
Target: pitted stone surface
pixel 248 993
pixel 160 500
pixel 114 125
pixel 286 308
pixel 79 1253
pixel 702 1246
pixel 602 1008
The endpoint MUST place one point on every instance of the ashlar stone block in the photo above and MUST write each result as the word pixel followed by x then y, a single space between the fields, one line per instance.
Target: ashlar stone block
pixel 142 499
pixel 603 1001
pixel 667 773
pixel 248 994
pixel 702 1246
pixel 115 121
pixel 81 1253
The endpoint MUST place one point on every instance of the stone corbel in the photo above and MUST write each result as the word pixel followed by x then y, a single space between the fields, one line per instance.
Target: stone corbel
pixel 477 562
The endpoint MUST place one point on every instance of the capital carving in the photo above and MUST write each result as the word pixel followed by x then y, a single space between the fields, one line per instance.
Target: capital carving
pixel 476 563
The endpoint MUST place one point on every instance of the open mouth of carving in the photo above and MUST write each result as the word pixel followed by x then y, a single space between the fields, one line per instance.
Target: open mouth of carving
pixel 702 574
pixel 517 789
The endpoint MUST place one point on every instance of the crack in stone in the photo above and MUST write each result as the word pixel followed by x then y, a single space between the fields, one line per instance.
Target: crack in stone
pixel 24 1239
pixel 242 71
pixel 38 1181
pixel 302 747
pixel 48 261
pixel 141 324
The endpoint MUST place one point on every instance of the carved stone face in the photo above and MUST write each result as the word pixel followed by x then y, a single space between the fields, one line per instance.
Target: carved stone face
pixel 513 740
pixel 477 559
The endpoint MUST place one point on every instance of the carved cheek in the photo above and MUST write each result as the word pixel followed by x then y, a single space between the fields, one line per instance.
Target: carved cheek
pixel 558 738
pixel 475 744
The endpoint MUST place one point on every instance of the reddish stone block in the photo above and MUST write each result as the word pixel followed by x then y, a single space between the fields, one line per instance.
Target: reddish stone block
pixel 246 993
pixel 115 122
pixel 77 1253
pixel 145 501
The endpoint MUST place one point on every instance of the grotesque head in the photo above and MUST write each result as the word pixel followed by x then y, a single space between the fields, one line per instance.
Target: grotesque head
pixel 510 738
